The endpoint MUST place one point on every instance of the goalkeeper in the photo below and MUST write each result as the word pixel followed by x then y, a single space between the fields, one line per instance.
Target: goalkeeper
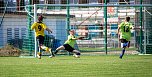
pixel 39 28
pixel 124 29
pixel 69 44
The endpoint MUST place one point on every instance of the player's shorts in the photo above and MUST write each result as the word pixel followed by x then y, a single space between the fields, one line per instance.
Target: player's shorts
pixel 40 39
pixel 68 48
pixel 123 40
pixel 124 43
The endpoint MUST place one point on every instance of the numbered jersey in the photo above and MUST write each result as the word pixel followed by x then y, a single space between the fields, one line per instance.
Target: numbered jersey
pixel 39 28
pixel 125 30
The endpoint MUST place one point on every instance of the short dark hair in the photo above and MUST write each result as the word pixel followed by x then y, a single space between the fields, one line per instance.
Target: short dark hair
pixel 40 18
pixel 127 18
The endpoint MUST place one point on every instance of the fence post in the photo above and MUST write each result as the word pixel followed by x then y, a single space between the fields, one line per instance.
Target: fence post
pixel 68 19
pixel 141 33
pixel 29 31
pixel 105 24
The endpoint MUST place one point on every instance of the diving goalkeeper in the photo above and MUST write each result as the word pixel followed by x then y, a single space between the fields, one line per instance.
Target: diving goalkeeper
pixel 69 44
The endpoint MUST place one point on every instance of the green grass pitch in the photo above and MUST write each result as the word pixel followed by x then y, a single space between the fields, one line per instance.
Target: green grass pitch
pixel 86 66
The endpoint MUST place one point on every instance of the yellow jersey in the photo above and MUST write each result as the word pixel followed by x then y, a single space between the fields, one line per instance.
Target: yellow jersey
pixel 39 28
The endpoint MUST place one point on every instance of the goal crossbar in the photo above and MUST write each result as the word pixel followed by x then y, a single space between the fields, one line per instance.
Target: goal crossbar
pixel 92 5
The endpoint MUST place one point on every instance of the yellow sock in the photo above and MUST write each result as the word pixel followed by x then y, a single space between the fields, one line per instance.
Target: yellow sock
pixel 38 53
pixel 45 48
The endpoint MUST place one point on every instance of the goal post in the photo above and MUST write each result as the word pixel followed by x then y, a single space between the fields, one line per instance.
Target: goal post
pixel 35 19
pixel 32 14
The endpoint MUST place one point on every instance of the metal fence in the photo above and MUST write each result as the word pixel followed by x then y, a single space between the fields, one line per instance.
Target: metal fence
pixel 86 20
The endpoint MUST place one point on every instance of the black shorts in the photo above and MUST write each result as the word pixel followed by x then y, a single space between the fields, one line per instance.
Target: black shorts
pixel 123 40
pixel 68 48
pixel 40 39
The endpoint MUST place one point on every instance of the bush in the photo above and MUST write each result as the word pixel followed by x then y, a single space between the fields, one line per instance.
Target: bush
pixel 9 50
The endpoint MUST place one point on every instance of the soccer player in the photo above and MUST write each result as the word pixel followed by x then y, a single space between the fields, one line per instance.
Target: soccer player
pixel 69 44
pixel 124 29
pixel 39 28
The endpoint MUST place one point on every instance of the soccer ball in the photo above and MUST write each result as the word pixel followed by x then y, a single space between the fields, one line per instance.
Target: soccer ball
pixel 97 22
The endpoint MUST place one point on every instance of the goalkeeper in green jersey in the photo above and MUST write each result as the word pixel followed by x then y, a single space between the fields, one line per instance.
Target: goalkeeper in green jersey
pixel 124 30
pixel 69 44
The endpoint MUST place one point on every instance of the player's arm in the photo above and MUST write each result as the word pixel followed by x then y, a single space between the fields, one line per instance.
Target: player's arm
pixel 118 30
pixel 74 38
pixel 46 28
pixel 50 31
pixel 81 37
pixel 131 27
pixel 33 26
pixel 77 38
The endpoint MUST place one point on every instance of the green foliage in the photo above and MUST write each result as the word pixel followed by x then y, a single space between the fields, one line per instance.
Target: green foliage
pixel 68 66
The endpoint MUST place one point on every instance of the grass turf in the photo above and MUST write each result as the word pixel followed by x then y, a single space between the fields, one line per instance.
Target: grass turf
pixel 68 66
pixel 103 49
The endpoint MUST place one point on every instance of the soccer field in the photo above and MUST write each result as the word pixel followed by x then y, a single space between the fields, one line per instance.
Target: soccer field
pixel 68 66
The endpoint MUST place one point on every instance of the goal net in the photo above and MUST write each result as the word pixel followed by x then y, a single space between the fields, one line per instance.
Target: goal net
pixel 86 20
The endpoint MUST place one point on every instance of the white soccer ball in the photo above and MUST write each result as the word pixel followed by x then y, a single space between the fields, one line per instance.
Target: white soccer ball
pixel 97 22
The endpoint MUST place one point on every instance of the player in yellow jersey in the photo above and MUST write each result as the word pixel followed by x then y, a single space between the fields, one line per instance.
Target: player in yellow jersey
pixel 39 28
pixel 69 44
pixel 124 30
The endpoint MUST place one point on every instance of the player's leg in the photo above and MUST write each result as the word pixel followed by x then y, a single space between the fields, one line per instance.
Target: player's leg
pixel 123 51
pixel 43 47
pixel 39 48
pixel 59 48
pixel 71 49
pixel 47 49
pixel 124 44
pixel 76 53
pixel 52 54
pixel 128 44
pixel 41 41
pixel 56 51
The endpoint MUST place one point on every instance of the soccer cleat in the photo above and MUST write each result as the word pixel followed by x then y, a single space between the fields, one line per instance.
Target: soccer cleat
pixel 120 57
pixel 76 56
pixel 50 49
pixel 56 51
pixel 51 56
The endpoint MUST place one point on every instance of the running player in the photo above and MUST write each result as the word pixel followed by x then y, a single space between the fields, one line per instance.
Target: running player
pixel 39 28
pixel 124 29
